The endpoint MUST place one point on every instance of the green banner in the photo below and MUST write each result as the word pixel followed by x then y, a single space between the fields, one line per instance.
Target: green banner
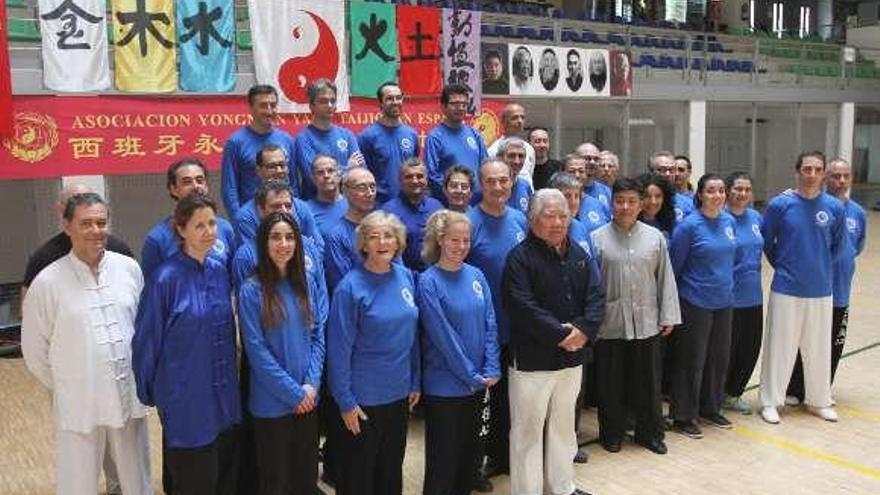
pixel 374 55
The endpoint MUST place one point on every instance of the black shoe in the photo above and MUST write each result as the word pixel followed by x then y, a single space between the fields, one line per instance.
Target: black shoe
pixel 482 484
pixel 687 428
pixel 581 457
pixel 612 446
pixel 717 420
pixel 491 470
pixel 578 491
pixel 656 446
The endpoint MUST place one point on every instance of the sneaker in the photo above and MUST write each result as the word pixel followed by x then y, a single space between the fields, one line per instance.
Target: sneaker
pixel 687 428
pixel 717 420
pixel 826 413
pixel 791 400
pixel 581 457
pixel 736 404
pixel 770 415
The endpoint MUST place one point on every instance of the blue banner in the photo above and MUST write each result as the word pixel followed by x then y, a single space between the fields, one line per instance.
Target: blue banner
pixel 206 45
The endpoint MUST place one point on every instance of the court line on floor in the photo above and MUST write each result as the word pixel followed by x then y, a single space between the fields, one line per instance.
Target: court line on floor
pixel 805 451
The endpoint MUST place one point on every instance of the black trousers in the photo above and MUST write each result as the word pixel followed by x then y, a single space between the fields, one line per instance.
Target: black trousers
pixel 839 321
pixel 497 446
pixel 248 474
pixel 451 435
pixel 287 454
pixel 628 383
pixel 745 345
pixel 208 470
pixel 371 463
pixel 702 351
pixel 331 425
pixel 588 395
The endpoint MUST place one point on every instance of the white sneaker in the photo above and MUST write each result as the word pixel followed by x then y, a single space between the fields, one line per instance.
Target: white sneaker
pixel 791 400
pixel 770 415
pixel 826 413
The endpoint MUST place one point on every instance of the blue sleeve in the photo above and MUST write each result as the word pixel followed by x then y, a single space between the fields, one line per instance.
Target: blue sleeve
pixel 441 333
pixel 484 153
pixel 293 172
pixel 231 241
pixel 151 258
pixel 245 227
pixel 342 329
pixel 336 263
pixel 679 247
pixel 317 349
pixel 229 178
pixel 769 229
pixel 147 342
pixel 863 233
pixel 840 236
pixel 492 352
pixel 307 223
pixel 415 354
pixel 432 163
pixel 353 146
pixel 240 270
pixel 594 305
pixel 417 150
pixel 263 364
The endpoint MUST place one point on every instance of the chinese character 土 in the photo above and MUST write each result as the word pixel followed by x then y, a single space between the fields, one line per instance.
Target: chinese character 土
pixel 128 146
pixel 70 14
pixel 202 23
pixel 142 22
pixel 206 145
pixel 89 147
pixel 418 38
pixel 168 144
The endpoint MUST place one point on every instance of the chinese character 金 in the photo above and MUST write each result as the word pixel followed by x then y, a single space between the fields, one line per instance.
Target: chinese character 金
pixel 418 37
pixel 142 22
pixel 202 24
pixel 128 146
pixel 372 34
pixel 70 13
pixel 168 144
pixel 86 147
pixel 206 145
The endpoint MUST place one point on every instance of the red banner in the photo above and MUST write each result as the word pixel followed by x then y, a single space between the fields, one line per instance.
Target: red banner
pixel 418 32
pixel 5 77
pixel 109 135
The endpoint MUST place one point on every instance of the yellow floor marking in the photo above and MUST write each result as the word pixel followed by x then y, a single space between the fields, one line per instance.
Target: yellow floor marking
pixel 857 413
pixel 808 452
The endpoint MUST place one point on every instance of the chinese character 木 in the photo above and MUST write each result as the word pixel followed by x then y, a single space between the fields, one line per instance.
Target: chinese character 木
pixel 202 24
pixel 142 22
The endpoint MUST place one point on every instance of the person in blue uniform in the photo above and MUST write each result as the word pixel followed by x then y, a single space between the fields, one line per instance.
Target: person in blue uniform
pixel 496 229
pixel 703 252
pixel 238 169
pixel 322 137
pixel 663 163
pixel 683 169
pixel 512 151
pixel 413 206
pixel 657 205
pixel 458 188
pixel 275 195
pixel 387 143
pixel 748 299
pixel 452 142
pixel 340 253
pixel 373 363
pixel 329 205
pixel 459 354
pixel 592 155
pixel 837 183
pixel 283 310
pixel 184 177
pixel 184 356
pixel 804 232
pixel 590 211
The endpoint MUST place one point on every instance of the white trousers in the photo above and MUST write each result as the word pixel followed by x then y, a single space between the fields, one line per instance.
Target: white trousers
pixel 78 458
pixel 797 323
pixel 541 460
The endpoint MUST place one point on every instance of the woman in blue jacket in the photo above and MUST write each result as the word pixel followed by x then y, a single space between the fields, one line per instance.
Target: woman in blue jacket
pixel 460 355
pixel 184 356
pixel 703 251
pixel 282 310
pixel 373 360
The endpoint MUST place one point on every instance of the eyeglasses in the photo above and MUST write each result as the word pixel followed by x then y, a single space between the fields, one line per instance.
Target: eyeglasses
pixel 325 101
pixel 458 186
pixel 458 104
pixel 363 187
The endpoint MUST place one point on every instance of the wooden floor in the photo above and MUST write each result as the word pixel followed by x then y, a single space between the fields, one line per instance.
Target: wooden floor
pixel 803 455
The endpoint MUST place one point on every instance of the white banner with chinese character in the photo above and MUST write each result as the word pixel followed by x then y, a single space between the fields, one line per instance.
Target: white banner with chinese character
pixel 461 52
pixel 296 43
pixel 75 57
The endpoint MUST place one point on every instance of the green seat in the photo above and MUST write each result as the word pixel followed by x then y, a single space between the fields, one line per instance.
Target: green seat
pixel 16 3
pixel 243 40
pixel 23 30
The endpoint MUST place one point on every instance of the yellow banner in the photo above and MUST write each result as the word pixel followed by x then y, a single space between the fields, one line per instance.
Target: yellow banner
pixel 144 51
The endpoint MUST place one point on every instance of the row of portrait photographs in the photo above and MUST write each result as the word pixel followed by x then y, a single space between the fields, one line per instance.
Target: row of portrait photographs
pixel 539 70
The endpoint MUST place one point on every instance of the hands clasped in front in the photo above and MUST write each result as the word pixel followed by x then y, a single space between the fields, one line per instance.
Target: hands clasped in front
pixel 575 340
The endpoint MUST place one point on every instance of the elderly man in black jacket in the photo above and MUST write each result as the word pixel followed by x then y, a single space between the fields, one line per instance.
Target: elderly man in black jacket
pixel 555 301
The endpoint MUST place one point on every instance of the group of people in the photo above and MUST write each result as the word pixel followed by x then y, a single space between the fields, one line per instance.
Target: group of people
pixel 496 288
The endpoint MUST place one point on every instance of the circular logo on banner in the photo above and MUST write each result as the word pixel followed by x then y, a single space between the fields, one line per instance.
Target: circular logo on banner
pixel 729 232
pixel 851 225
pixel 406 144
pixel 488 125
pixel 822 218
pixel 520 235
pixel 478 289
pixel 307 261
pixel 593 216
pixel 342 144
pixel 471 142
pixel 219 247
pixel 756 230
pixel 34 137
pixel 407 296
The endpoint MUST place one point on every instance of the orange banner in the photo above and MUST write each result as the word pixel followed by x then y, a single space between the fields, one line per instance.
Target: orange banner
pixel 109 135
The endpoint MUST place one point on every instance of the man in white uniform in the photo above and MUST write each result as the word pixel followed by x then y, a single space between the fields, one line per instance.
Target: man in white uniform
pixel 77 326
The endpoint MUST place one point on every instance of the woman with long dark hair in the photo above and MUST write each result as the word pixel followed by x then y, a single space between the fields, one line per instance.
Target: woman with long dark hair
pixel 658 209
pixel 282 310
pixel 703 252
pixel 184 356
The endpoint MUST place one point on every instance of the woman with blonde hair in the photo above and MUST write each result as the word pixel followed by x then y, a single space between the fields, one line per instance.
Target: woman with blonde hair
pixel 460 354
